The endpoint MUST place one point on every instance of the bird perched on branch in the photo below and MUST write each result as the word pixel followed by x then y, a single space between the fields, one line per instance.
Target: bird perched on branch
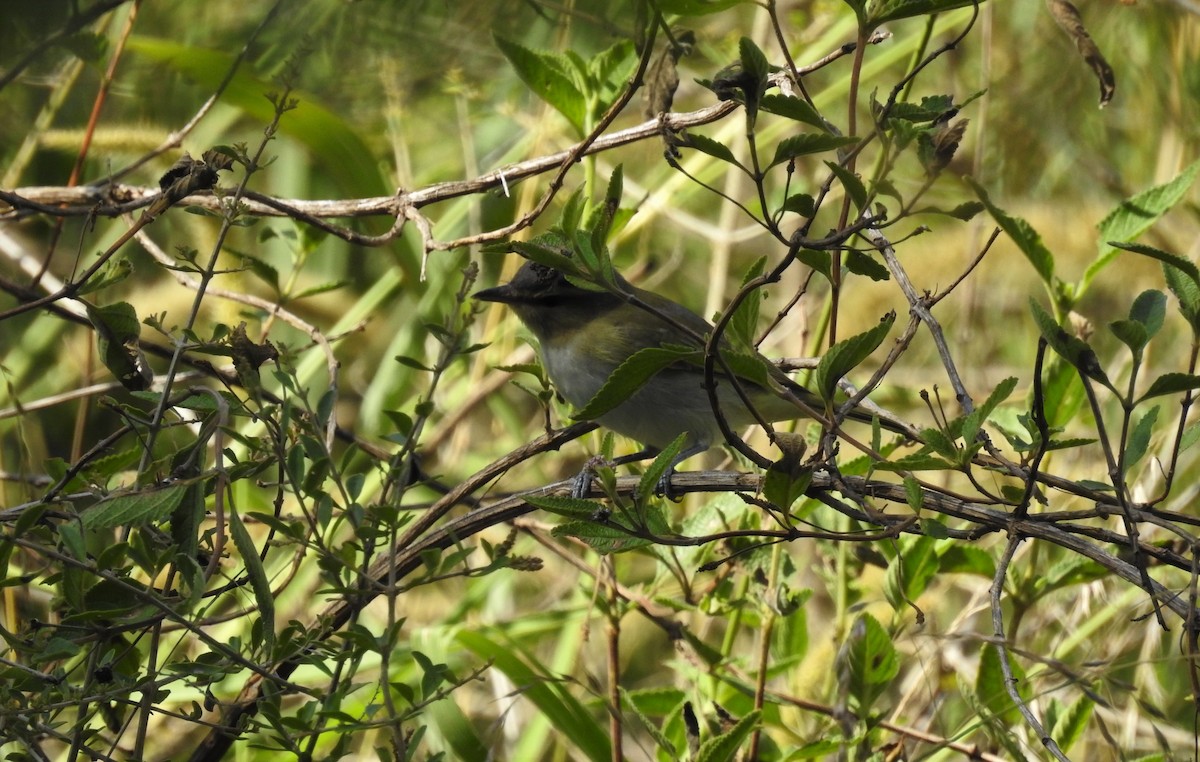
pixel 587 332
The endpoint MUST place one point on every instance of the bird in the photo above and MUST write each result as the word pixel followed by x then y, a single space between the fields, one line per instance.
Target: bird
pixel 585 334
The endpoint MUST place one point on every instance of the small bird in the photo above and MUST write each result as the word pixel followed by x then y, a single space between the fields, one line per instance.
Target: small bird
pixel 584 335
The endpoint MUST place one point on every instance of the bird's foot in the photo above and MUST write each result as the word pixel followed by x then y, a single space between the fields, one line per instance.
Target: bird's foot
pixel 581 486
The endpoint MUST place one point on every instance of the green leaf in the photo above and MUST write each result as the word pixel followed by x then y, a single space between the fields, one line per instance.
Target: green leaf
pixel 135 509
pixel 552 695
pixel 115 270
pixel 755 70
pixel 847 355
pixel 1171 383
pixel 885 11
pixel 800 203
pixel 990 685
pixel 1191 435
pixel 658 467
pixel 976 418
pixel 1131 333
pixel 117 335
pixel 914 494
pixel 547 76
pixel 743 324
pixel 630 376
pixel 1146 317
pixel 571 507
pixel 1067 724
pixel 604 538
pixel 851 182
pixel 1139 438
pixel 707 145
pixel 264 598
pixel 963 559
pixel 965 211
pixel 610 68
pixel 817 260
pixel 868 662
pixel 861 263
pixel 931 107
pixel 1186 265
pixel 916 462
pixel 787 479
pixel 636 706
pixel 909 572
pixel 1022 234
pixel 725 747
pixel 1135 215
pixel 1150 309
pixel 808 143
pixel 550 250
pixel 1072 349
pixel 794 108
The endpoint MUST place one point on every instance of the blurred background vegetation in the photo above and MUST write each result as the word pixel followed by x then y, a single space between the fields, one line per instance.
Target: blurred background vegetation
pixel 402 95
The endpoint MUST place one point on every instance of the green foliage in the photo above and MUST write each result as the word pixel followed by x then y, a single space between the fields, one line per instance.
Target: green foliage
pixel 312 516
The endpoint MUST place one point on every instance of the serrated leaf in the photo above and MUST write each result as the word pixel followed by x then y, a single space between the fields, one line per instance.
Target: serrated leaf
pixel 743 324
pixel 861 263
pixel 603 538
pixel 914 494
pixel 886 11
pixel 630 376
pixel 847 355
pixel 808 143
pixel 851 182
pixel 931 107
pixel 658 468
pixel 794 108
pixel 817 260
pixel 115 270
pixel 1187 291
pixel 916 462
pixel 910 571
pixel 707 145
pixel 630 704
pixel 1139 438
pixel 570 507
pixel 755 68
pixel 1069 724
pixel 1135 215
pixel 800 203
pixel 259 583
pixel 550 251
pixel 547 75
pixel 1022 234
pixel 787 479
pixel 990 685
pixel 725 747
pixel 976 418
pixel 1186 265
pixel 135 509
pixel 868 662
pixel 1072 349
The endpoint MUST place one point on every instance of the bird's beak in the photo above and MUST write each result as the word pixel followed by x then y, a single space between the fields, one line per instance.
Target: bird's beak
pixel 505 294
